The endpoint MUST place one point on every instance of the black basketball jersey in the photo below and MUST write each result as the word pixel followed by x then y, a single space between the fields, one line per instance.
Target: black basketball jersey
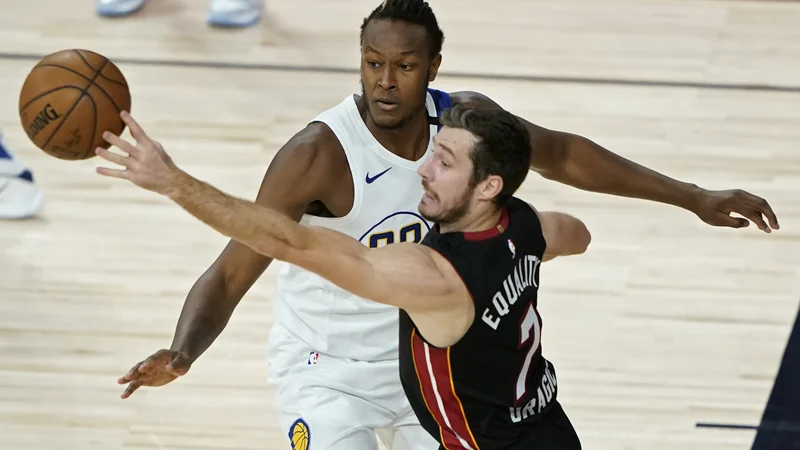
pixel 488 390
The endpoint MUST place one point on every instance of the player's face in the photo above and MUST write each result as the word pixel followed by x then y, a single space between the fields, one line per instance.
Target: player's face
pixel 395 71
pixel 446 177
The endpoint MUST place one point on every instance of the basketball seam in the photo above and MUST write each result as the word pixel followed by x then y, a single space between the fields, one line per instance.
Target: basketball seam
pixel 94 127
pixel 66 116
pixel 87 79
pixel 24 107
pixel 101 75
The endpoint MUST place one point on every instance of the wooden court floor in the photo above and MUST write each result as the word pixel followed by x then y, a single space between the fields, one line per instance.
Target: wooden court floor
pixel 665 322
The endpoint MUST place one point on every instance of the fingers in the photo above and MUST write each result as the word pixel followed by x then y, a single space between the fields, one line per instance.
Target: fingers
pixel 755 217
pixel 761 207
pixel 136 131
pixel 733 222
pixel 120 143
pixel 132 387
pixel 752 207
pixel 113 157
pixel 771 217
pixel 115 173
pixel 131 375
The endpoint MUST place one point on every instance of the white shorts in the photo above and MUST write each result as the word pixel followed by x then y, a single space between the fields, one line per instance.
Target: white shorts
pixel 325 402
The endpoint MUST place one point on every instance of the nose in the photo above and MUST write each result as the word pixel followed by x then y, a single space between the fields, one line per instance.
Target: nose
pixel 387 80
pixel 424 170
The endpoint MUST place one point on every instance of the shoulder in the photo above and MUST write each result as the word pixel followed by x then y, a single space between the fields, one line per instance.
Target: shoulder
pixel 308 167
pixel 316 139
pixel 314 150
pixel 524 211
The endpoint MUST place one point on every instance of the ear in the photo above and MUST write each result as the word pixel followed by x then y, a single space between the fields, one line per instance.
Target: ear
pixel 434 68
pixel 490 187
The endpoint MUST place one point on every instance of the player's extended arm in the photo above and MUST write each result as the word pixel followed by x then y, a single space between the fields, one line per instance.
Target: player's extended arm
pixel 311 156
pixel 214 297
pixel 579 162
pixel 408 276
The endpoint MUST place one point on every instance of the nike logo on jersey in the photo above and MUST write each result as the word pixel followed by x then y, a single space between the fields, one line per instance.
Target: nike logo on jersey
pixel 370 180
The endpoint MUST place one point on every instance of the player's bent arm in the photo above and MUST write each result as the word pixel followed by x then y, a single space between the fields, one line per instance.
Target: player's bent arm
pixel 215 295
pixel 564 234
pixel 579 162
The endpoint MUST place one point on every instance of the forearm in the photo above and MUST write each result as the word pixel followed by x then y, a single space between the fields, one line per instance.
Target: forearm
pixel 588 166
pixel 205 314
pixel 258 227
pixel 581 163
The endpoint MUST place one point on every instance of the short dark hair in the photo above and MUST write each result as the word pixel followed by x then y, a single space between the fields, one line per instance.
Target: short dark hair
pixel 503 147
pixel 417 12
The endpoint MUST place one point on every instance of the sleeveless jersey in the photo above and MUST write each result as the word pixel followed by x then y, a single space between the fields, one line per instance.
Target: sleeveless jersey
pixel 489 389
pixel 387 191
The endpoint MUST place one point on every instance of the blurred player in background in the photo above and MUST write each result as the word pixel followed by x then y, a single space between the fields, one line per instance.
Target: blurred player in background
pixel 223 13
pixel 20 198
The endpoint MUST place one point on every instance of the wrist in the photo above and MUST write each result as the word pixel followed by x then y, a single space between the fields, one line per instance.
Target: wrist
pixel 177 184
pixel 183 351
pixel 690 197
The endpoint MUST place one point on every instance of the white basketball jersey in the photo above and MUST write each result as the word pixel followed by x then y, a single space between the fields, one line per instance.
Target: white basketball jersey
pixel 387 192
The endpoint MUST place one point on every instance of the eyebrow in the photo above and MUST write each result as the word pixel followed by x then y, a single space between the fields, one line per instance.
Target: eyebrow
pixel 444 147
pixel 372 49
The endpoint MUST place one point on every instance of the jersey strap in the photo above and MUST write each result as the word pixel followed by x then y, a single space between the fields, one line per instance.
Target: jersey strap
pixel 443 102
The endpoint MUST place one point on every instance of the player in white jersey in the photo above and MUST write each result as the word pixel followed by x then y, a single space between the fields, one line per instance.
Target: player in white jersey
pixel 333 357
pixel 324 332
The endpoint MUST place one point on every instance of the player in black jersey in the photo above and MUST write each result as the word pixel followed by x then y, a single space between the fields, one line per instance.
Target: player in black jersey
pixel 470 335
pixel 474 373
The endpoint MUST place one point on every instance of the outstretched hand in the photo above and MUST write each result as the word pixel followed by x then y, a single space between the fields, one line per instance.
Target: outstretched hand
pixel 146 164
pixel 160 368
pixel 715 208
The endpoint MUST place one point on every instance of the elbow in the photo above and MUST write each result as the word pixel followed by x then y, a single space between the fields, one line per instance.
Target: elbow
pixel 279 252
pixel 579 237
pixel 550 155
pixel 583 238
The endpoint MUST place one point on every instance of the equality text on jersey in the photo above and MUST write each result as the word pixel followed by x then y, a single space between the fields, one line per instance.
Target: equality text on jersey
pixel 524 275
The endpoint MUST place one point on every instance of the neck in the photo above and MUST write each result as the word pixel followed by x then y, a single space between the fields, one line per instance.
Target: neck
pixel 409 141
pixel 476 222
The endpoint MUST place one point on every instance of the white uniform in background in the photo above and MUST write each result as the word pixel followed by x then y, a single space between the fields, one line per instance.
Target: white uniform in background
pixel 334 356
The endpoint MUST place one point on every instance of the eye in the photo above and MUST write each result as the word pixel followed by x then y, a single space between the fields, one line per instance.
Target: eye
pixel 373 64
pixel 406 67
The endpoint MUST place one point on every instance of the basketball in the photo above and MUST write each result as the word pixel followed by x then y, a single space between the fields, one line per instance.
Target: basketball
pixel 69 99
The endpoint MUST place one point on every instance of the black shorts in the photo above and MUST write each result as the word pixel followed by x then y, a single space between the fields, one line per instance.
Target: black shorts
pixel 553 431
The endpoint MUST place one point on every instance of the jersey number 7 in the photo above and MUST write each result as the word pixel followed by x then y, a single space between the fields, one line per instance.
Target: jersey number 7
pixel 530 324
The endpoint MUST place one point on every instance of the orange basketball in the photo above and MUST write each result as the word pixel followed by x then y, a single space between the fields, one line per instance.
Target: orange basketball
pixel 69 100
